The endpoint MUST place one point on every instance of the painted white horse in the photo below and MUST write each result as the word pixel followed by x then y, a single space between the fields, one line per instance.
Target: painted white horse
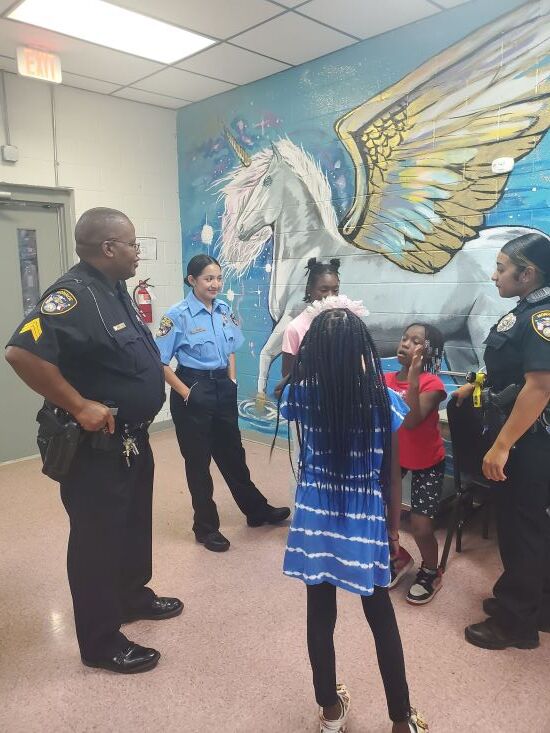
pixel 284 193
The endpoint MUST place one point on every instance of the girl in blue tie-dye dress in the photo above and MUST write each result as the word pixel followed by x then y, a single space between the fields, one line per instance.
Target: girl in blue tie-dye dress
pixel 348 503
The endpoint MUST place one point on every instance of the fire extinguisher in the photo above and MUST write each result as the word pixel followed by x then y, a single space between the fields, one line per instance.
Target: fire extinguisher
pixel 142 298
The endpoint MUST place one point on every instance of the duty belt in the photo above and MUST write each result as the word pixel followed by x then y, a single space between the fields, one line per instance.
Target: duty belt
pixel 503 403
pixel 202 373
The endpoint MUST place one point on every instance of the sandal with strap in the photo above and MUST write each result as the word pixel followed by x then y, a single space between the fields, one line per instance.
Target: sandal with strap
pixel 339 725
pixel 417 724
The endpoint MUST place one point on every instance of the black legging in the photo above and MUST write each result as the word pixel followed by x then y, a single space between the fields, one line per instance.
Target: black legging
pixel 321 620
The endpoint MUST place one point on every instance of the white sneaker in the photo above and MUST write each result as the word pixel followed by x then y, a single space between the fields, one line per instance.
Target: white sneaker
pixel 340 725
pixel 417 724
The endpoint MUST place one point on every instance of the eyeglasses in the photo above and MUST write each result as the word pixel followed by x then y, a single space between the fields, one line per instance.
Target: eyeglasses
pixel 135 245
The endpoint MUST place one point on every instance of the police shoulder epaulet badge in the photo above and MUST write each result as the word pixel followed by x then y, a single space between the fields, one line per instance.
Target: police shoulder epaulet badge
pixel 541 324
pixel 58 302
pixel 165 326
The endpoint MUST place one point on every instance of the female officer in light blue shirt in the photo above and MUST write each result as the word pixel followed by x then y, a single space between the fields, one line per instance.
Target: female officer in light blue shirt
pixel 202 334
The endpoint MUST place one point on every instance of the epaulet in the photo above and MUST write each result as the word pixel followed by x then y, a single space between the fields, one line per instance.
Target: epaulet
pixel 223 304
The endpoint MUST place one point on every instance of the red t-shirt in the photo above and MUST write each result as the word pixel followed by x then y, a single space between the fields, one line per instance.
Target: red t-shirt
pixel 422 446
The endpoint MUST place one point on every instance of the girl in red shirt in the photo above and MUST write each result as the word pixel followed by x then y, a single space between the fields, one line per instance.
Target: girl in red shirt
pixel 421 450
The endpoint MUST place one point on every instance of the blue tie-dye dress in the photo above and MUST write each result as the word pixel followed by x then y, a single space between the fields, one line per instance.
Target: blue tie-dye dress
pixel 349 551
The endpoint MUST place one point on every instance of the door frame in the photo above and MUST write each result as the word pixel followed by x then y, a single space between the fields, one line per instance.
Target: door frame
pixel 60 199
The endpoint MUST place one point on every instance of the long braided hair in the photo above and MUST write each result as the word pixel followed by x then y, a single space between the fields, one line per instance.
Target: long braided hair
pixel 338 396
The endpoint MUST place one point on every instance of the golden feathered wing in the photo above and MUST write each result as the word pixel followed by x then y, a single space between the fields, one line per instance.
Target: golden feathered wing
pixel 423 148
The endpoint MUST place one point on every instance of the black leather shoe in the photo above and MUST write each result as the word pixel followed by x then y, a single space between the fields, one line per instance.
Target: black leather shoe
pixel 159 609
pixel 214 541
pixel 491 635
pixel 270 515
pixel 133 659
pixel 492 608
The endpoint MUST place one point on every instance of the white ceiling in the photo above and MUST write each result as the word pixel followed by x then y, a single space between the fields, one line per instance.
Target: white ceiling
pixel 254 38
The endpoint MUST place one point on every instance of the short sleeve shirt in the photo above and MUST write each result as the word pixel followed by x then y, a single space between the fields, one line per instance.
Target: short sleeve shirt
pixel 92 331
pixel 196 337
pixel 294 333
pixel 422 446
pixel 520 342
pixel 398 411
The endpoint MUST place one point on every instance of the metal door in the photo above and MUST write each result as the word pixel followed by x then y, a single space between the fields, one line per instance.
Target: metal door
pixel 31 259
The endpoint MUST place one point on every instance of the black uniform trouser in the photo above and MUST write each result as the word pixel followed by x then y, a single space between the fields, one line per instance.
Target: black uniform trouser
pixel 207 427
pixel 109 554
pixel 523 589
pixel 378 609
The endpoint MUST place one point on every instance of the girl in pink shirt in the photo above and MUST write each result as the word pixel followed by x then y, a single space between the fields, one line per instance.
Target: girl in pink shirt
pixel 323 280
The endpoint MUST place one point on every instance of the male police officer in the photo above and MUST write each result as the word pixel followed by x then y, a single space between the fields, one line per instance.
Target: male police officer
pixel 85 349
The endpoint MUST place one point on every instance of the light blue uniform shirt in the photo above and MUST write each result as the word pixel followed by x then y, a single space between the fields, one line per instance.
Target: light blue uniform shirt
pixel 197 338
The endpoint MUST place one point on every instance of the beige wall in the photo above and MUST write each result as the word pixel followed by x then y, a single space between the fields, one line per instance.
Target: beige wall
pixel 111 152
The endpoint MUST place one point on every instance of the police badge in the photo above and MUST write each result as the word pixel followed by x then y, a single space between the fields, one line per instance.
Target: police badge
pixel 506 323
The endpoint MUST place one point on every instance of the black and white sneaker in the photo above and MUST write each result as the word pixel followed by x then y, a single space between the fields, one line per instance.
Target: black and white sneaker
pixel 426 585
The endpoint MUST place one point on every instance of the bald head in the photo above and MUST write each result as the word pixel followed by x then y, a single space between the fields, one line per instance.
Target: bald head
pixel 106 239
pixel 96 226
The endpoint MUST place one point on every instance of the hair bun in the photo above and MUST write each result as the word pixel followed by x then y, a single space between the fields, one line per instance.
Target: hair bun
pixel 311 263
pixel 335 262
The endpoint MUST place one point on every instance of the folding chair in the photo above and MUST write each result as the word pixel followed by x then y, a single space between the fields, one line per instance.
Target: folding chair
pixel 472 489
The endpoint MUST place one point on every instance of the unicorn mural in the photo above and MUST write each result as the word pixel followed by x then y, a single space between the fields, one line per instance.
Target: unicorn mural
pixel 423 153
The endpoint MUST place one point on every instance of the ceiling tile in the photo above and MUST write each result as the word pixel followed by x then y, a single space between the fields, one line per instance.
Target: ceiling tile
pixel 214 18
pixel 77 56
pixel 368 19
pixel 84 82
pixel 293 39
pixel 183 84
pixel 159 100
pixel 232 64
pixel 8 64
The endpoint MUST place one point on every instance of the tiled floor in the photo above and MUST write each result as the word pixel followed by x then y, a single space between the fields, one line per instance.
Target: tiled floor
pixel 236 660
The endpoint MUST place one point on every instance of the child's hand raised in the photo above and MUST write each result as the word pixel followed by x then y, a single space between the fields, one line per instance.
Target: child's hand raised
pixel 415 368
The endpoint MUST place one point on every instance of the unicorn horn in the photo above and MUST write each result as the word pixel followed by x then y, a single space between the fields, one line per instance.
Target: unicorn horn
pixel 242 155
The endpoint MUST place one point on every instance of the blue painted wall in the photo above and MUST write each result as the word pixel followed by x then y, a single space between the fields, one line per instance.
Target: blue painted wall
pixel 304 104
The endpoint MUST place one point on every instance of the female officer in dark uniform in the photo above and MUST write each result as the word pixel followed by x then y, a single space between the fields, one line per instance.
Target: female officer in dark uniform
pixel 202 333
pixel 518 461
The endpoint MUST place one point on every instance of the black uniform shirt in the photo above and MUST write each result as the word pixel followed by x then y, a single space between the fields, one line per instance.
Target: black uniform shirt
pixel 519 342
pixel 94 334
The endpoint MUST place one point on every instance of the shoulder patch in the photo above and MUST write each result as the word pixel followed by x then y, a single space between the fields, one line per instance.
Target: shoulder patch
pixel 33 327
pixel 58 302
pixel 541 324
pixel 165 326
pixel 234 319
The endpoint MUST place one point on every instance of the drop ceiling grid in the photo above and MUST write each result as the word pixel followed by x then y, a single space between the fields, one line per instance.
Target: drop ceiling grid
pixel 258 43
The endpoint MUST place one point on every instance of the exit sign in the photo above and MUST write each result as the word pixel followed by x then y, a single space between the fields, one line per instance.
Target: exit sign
pixel 39 64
